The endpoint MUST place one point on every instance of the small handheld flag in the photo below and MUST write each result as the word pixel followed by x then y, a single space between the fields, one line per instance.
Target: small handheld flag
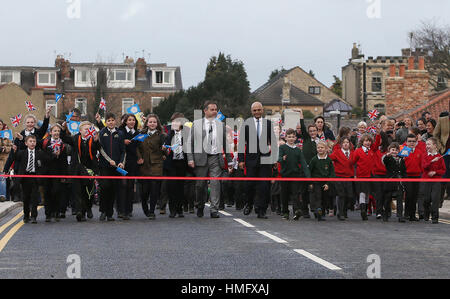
pixel 90 133
pixel 68 117
pixel 373 115
pixel 6 134
pixel 447 153
pixel 173 147
pixel 16 120
pixel 122 171
pixel 140 137
pixel 74 127
pixel 58 96
pixel 134 109
pixel 56 146
pixel 102 104
pixel 405 152
pixel 220 116
pixel 30 106
pixel 372 130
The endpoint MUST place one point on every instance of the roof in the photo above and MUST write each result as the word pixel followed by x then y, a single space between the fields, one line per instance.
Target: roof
pixel 338 105
pixel 270 94
pixel 437 103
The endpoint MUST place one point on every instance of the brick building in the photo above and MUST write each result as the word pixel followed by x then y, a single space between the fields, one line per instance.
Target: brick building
pixel 83 84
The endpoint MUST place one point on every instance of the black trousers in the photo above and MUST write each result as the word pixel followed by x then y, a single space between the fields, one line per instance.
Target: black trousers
pixel 164 192
pixel 189 195
pixel 109 189
pixel 412 192
pixel 290 190
pixel 261 188
pixel 176 188
pixel 379 194
pixel 393 191
pixel 345 192
pixel 30 188
pixel 150 188
pixel 431 193
pixel 66 198
pixel 53 194
pixel 126 200
pixel 319 196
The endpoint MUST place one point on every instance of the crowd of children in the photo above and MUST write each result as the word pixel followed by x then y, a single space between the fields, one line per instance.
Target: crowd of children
pixel 308 152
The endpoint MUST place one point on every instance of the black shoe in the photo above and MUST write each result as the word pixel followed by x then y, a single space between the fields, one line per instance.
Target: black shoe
pixel 379 216
pixel 401 219
pixel 110 219
pixel 421 217
pixel 185 209
pixel 125 218
pixel 262 215
pixel 413 218
pixel 248 210
pixel 152 216
pixel 89 214
pixel 26 220
pixel 200 213
pixel 74 212
pixel 341 218
pixel 215 215
pixel 83 219
pixel 120 216
pixel 79 216
pixel 285 217
pixel 48 219
pixel 172 215
pixel 297 217
pixel 180 215
pixel 62 216
pixel 221 208
pixel 102 217
pixel 33 220
pixel 435 221
pixel 191 211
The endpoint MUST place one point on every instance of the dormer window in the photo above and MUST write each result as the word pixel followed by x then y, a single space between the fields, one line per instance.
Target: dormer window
pixel 163 77
pixel 6 77
pixel 85 77
pixel 46 79
pixel 121 78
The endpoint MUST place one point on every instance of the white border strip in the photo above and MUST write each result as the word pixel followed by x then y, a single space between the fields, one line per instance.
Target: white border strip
pixel 270 236
pixel 317 259
pixel 244 223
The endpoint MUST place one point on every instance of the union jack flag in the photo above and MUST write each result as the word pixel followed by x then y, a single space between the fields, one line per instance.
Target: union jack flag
pixel 102 104
pixel 16 120
pixel 56 145
pixel 372 130
pixel 30 106
pixel 373 114
pixel 90 133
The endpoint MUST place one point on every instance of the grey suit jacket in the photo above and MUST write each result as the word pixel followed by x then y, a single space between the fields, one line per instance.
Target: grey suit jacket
pixel 196 149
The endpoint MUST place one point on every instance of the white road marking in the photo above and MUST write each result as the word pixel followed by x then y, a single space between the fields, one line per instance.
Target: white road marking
pixel 244 223
pixel 270 236
pixel 225 213
pixel 317 259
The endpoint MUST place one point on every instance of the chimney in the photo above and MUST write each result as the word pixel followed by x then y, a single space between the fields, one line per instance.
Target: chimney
pixel 411 63
pixel 64 66
pixel 421 63
pixel 286 90
pixel 141 68
pixel 128 60
pixel 402 70
pixel 392 70
pixel 355 51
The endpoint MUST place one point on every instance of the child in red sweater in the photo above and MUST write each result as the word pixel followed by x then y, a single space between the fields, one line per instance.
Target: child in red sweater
pixel 343 167
pixel 363 157
pixel 433 168
pixel 413 170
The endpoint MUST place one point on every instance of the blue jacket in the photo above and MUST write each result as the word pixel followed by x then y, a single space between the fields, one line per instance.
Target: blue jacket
pixel 113 147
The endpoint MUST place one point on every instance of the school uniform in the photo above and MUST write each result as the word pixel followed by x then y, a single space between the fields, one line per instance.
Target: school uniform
pixel 30 162
pixel 177 167
pixel 379 171
pixel 112 149
pixel 363 158
pixel 275 190
pixel 152 153
pixel 395 168
pixel 431 192
pixel 294 166
pixel 84 162
pixel 413 170
pixel 320 168
pixel 57 165
pixel 125 202
pixel 343 167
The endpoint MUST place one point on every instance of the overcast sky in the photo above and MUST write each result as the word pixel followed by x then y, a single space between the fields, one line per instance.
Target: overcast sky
pixel 264 34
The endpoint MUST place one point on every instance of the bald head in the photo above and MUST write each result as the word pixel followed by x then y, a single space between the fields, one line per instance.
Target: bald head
pixel 257 110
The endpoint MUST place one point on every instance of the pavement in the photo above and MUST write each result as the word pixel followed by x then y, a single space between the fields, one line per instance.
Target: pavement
pixel 8 206
pixel 232 247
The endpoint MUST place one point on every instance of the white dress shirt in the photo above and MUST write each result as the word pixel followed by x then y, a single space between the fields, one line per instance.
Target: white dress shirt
pixel 208 124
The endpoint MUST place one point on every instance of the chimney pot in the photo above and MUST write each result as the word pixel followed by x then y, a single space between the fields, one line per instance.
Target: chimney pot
pixel 392 70
pixel 402 70
pixel 421 63
pixel 411 63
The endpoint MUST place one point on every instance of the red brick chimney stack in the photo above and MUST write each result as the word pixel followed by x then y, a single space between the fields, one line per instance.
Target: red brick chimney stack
pixel 411 63
pixel 392 70
pixel 141 68
pixel 421 63
pixel 402 70
pixel 64 66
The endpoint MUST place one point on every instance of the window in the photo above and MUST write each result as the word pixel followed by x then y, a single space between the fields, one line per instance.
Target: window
pixel 6 77
pixel 52 103
pixel 47 79
pixel 314 90
pixel 156 101
pixel 441 82
pixel 159 77
pixel 86 78
pixel 164 77
pixel 121 75
pixel 376 82
pixel 126 103
pixel 81 104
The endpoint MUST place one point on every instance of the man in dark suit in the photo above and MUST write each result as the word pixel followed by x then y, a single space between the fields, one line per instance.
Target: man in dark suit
pixel 258 151
pixel 30 161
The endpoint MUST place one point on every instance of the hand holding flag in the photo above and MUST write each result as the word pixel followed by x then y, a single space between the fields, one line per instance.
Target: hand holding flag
pixel 102 105
pixel 140 137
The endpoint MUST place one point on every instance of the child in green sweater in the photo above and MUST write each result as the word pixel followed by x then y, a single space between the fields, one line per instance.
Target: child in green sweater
pixel 321 166
pixel 293 165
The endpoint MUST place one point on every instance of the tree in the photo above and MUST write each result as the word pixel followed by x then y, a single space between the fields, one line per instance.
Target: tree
pixel 337 86
pixel 225 83
pixel 276 73
pixel 435 41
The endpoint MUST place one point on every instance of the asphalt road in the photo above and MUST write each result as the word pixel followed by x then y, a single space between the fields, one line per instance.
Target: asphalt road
pixel 234 247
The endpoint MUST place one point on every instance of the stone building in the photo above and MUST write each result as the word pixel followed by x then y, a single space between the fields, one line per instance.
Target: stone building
pixel 377 72
pixel 83 84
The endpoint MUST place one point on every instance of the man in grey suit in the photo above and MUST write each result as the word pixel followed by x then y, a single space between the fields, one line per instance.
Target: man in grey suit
pixel 207 143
